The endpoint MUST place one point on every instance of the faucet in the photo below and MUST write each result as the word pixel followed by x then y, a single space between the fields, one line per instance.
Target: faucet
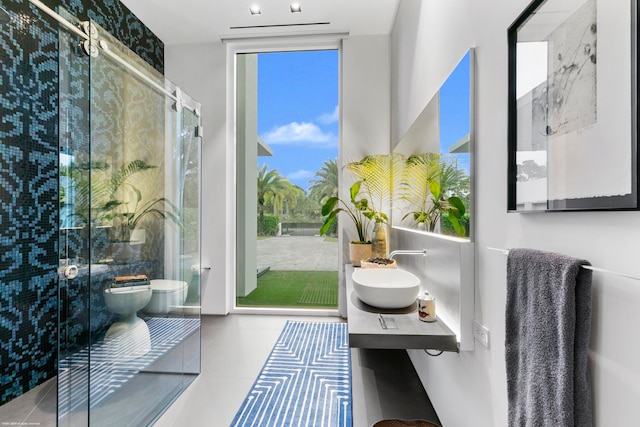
pixel 422 252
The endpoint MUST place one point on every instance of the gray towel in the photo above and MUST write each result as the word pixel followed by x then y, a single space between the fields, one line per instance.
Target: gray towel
pixel 548 323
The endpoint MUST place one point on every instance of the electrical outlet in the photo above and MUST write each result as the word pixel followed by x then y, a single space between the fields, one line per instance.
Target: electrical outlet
pixel 481 333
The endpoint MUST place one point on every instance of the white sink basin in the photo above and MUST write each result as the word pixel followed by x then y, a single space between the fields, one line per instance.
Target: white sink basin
pixel 386 288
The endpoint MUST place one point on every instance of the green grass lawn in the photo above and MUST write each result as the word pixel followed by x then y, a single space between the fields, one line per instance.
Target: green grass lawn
pixel 301 289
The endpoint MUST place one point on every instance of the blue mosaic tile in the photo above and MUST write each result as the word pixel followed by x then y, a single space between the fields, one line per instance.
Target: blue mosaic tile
pixel 29 195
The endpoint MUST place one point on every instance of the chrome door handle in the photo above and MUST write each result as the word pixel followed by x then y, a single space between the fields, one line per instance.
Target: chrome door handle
pixel 70 272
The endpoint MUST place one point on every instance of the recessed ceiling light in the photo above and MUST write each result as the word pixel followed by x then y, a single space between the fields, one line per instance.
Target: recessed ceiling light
pixel 255 10
pixel 295 8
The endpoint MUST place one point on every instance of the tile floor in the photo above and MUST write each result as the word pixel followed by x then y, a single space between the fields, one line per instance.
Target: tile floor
pixel 234 349
pixel 116 390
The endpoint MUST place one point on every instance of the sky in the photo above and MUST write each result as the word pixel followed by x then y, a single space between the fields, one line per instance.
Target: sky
pixel 454 120
pixel 298 111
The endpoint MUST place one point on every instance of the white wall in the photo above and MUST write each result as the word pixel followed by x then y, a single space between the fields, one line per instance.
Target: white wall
pixel 470 388
pixel 365 97
pixel 200 70
pixel 247 173
pixel 365 108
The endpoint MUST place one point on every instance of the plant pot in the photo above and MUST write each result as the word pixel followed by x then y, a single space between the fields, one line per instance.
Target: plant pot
pixel 371 263
pixel 359 251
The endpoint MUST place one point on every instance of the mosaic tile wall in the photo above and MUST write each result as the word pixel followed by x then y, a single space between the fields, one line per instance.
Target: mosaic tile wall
pixel 29 196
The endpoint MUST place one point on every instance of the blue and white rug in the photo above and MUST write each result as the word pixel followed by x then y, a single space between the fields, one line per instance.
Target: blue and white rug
pixel 306 380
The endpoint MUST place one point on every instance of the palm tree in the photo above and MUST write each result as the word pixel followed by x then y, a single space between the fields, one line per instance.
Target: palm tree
pixel 325 184
pixel 453 180
pixel 380 176
pixel 420 171
pixel 289 193
pixel 431 184
pixel 270 183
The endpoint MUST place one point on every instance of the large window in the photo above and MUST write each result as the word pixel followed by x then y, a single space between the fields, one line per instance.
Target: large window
pixel 287 148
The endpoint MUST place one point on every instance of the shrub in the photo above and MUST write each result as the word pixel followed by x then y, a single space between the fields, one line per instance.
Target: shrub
pixel 270 226
pixel 447 228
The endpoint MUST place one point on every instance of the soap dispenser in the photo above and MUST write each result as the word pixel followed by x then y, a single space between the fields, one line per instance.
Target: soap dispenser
pixel 426 307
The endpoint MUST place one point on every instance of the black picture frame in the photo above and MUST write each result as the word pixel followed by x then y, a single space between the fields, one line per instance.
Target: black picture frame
pixel 572 135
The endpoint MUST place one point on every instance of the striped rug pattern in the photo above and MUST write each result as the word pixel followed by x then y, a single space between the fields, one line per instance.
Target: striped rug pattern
pixel 306 380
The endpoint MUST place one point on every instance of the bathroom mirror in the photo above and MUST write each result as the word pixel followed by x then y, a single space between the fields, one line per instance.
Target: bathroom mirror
pixel 438 167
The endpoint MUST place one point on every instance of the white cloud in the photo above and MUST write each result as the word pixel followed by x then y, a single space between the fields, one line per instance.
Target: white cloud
pixel 299 134
pixel 329 118
pixel 300 174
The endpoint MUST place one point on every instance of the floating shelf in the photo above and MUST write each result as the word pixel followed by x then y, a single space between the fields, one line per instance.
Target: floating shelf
pixel 404 329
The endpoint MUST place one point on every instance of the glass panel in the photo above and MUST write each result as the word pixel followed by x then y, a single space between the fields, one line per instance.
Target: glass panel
pixel 74 248
pixel 118 195
pixel 190 268
pixel 130 202
pixel 144 159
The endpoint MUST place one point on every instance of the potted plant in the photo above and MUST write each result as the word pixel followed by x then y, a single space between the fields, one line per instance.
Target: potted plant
pixel 359 213
pixel 93 195
pixel 427 184
pixel 121 205
pixel 379 174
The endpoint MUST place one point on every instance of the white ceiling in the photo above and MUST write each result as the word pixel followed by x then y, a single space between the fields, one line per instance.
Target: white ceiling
pixel 199 21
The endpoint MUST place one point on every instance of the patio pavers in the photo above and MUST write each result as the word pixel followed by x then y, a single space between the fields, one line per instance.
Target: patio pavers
pixel 306 253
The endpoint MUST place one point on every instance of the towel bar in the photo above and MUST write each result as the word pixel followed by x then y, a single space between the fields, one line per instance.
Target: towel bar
pixel 587 267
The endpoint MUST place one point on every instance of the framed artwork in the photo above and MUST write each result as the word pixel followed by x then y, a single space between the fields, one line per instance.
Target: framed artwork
pixel 573 112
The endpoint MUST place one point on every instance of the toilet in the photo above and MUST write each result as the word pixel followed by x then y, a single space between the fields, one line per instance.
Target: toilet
pixel 166 295
pixel 128 338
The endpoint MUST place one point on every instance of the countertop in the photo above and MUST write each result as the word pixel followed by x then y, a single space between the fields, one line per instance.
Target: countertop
pixel 366 331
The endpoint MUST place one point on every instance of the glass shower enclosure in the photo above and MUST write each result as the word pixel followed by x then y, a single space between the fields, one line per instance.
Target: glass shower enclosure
pixel 127 335
pixel 129 234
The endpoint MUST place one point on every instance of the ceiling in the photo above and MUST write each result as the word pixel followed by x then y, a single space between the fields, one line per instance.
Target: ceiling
pixel 199 21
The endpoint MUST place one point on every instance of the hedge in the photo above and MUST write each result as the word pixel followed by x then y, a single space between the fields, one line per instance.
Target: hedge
pixel 270 226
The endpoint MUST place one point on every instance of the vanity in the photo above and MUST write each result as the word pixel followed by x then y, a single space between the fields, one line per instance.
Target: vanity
pixel 385 384
pixel 440 143
pixel 374 328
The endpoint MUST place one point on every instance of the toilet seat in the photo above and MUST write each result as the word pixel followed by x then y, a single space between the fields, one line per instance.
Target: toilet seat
pixel 127 289
pixel 165 285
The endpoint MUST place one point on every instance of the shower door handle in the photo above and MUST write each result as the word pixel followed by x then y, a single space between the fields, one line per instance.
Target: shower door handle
pixel 70 272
